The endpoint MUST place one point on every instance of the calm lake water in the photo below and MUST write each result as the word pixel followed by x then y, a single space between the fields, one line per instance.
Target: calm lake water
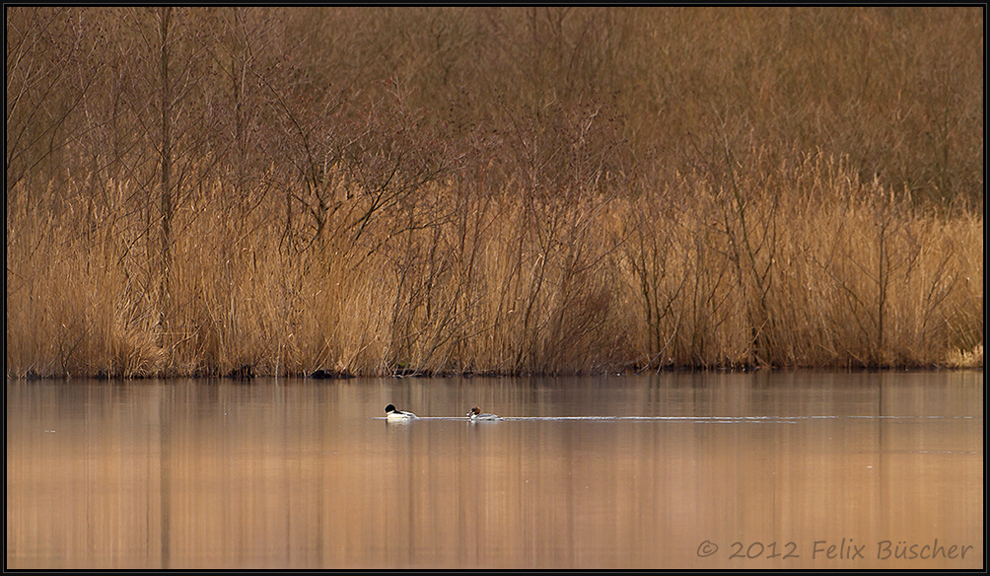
pixel 709 470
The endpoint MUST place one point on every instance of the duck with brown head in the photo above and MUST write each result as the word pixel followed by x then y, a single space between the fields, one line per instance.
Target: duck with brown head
pixel 476 414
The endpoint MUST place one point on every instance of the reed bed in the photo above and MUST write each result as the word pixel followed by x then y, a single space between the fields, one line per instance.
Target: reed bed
pixel 831 273
pixel 333 192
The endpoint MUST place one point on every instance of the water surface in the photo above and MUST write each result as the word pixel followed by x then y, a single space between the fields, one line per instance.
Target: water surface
pixel 780 470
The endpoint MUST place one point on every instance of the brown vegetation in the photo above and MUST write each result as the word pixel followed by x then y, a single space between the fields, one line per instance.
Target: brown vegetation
pixel 445 190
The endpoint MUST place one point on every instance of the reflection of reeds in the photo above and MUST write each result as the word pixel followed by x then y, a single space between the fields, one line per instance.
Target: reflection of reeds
pixel 456 281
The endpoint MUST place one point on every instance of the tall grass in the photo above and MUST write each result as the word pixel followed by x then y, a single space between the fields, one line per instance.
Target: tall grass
pixel 446 190
pixel 834 273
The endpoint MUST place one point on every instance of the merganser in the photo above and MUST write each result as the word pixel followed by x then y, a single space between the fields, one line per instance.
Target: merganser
pixel 392 414
pixel 475 414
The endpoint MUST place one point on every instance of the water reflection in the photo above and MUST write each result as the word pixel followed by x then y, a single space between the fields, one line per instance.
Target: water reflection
pixel 803 470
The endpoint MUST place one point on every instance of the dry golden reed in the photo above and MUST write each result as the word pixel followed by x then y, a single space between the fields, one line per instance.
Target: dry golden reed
pixel 334 191
pixel 834 274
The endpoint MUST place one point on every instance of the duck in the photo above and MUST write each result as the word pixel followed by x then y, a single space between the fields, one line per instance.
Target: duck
pixel 392 414
pixel 475 414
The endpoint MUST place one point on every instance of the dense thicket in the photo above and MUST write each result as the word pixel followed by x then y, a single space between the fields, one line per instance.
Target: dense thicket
pixel 366 190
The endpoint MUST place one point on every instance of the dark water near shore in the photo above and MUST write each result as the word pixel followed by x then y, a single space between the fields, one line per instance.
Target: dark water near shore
pixel 778 470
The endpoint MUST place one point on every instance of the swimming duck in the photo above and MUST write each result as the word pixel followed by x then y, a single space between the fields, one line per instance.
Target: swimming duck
pixel 475 414
pixel 392 414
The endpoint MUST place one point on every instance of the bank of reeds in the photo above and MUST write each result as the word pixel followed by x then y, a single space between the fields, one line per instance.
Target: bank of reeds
pixel 789 265
pixel 258 191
